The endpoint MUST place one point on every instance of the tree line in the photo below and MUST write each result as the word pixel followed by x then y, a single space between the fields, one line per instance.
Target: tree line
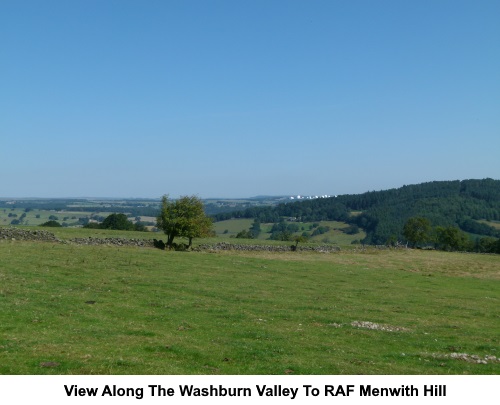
pixel 419 232
pixel 383 214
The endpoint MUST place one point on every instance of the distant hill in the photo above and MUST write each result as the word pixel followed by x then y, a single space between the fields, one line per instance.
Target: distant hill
pixel 382 214
pixel 444 203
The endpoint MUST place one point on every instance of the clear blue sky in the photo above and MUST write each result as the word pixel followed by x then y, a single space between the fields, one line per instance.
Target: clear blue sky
pixel 241 98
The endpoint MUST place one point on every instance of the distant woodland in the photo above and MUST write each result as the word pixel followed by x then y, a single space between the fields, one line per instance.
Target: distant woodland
pixel 471 206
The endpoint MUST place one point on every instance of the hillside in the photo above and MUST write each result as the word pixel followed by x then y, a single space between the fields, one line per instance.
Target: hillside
pixel 467 204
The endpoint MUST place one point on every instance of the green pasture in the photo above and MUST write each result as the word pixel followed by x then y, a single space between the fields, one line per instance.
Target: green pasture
pixel 36 217
pixel 494 224
pixel 231 227
pixel 335 234
pixel 72 309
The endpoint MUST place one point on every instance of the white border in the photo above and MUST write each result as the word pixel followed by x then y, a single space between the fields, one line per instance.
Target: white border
pixel 51 389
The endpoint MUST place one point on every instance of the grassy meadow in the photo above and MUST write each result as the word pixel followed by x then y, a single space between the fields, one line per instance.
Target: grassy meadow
pixel 494 224
pixel 231 227
pixel 36 217
pixel 71 309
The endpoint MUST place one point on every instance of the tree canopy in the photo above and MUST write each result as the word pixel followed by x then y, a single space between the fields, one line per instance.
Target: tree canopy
pixel 417 230
pixel 52 223
pixel 466 204
pixel 184 217
pixel 117 221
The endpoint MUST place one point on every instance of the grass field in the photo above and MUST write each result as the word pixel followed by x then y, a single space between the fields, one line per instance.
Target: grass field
pixel 494 224
pixel 70 309
pixel 231 227
pixel 36 217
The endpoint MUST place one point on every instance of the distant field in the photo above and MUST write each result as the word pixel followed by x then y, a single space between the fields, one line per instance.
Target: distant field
pixel 335 235
pixel 71 309
pixel 36 217
pixel 494 224
pixel 231 227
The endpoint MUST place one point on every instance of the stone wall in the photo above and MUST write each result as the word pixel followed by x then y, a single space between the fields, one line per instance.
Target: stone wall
pixel 25 234
pixel 268 248
pixel 12 233
pixel 112 241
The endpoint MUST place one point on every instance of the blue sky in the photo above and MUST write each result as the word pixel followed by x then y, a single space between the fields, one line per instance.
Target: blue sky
pixel 243 98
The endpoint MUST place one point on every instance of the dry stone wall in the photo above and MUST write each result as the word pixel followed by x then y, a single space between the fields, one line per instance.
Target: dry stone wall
pixel 268 248
pixel 12 233
pixel 112 241
pixel 25 234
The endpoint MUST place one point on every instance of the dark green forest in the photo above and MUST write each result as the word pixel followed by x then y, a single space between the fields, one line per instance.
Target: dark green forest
pixel 383 214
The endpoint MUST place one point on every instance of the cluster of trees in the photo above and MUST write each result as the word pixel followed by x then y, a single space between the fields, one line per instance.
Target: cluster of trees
pixel 52 223
pixel 117 221
pixel 255 229
pixel 244 234
pixel 320 230
pixel 184 217
pixel 252 233
pixel 16 220
pixel 284 230
pixel 327 209
pixel 478 228
pixel 418 231
pixel 350 230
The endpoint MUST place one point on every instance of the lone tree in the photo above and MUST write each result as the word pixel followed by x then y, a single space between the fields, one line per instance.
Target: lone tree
pixel 184 217
pixel 118 222
pixel 298 239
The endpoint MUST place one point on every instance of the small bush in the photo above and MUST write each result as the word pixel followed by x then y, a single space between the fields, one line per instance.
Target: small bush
pixel 245 234
pixel 52 223
pixel 351 230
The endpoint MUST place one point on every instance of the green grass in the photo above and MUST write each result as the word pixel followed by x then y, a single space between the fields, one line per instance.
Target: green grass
pixel 70 217
pixel 109 310
pixel 233 226
pixel 334 236
pixel 494 224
